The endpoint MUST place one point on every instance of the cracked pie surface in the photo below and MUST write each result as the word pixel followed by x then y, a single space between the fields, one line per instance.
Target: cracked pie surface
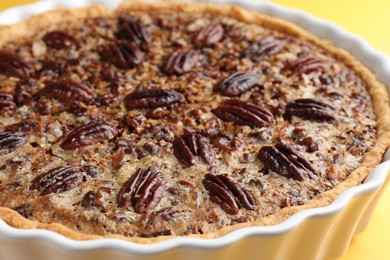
pixel 165 119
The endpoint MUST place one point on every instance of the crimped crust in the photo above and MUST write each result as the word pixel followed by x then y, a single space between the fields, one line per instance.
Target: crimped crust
pixel 376 90
pixel 44 21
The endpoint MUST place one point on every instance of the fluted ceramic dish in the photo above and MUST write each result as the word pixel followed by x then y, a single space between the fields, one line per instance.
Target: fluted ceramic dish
pixel 319 233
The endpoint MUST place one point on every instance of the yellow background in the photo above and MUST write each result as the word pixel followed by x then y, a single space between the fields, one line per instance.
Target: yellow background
pixel 370 19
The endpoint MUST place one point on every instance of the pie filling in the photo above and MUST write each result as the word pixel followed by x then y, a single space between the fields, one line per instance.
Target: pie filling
pixel 158 123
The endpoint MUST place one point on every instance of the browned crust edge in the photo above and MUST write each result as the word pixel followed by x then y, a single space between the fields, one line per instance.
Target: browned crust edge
pixel 377 91
pixel 48 19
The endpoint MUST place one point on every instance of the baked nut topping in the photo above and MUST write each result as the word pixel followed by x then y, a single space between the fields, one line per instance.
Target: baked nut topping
pixel 6 102
pixel 153 98
pixel 89 134
pixel 57 180
pixel 208 35
pixel 243 113
pixel 286 161
pixel 310 109
pixel 67 91
pixel 132 29
pixel 264 47
pixel 180 62
pixel 123 55
pixel 190 145
pixel 236 84
pixel 9 141
pixel 144 190
pixel 304 65
pixel 171 122
pixel 229 195
pixel 60 40
pixel 13 65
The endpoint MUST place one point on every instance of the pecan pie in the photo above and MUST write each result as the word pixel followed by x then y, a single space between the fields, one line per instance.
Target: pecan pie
pixel 166 119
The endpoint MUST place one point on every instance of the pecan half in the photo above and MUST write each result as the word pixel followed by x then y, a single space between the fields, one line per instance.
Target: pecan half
pixel 122 55
pixel 60 40
pixel 6 102
pixel 304 65
pixel 89 134
pixel 10 141
pixel 236 84
pixel 310 109
pixel 67 91
pixel 265 47
pixel 243 113
pixel 57 180
pixel 286 161
pixel 227 194
pixel 208 35
pixel 143 190
pixel 24 126
pixel 23 94
pixel 132 29
pixel 153 98
pixel 180 62
pixel 13 65
pixel 190 145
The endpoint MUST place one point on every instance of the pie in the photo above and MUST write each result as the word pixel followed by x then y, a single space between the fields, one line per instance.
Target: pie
pixel 167 119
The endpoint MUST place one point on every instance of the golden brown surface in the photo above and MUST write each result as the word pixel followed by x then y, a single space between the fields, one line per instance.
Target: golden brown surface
pixel 333 147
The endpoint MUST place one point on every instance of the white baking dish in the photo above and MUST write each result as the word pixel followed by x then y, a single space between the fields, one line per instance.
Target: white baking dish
pixel 320 233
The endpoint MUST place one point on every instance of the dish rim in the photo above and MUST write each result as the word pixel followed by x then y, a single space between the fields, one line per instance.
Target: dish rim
pixel 376 61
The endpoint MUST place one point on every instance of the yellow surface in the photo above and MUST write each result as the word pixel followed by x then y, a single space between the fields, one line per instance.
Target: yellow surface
pixel 370 19
pixel 4 4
